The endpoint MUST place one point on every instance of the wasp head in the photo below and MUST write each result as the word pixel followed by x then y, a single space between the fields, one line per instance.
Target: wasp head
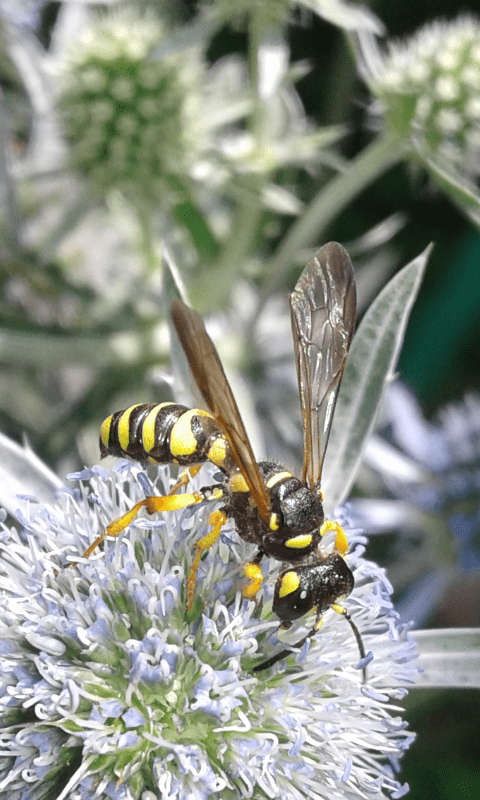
pixel 308 586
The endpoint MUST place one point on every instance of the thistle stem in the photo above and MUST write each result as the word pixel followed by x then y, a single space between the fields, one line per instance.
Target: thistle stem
pixel 375 159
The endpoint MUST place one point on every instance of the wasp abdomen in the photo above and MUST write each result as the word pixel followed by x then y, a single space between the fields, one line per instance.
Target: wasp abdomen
pixel 165 433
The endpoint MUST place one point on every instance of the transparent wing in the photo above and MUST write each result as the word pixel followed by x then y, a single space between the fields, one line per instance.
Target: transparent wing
pixel 323 317
pixel 210 378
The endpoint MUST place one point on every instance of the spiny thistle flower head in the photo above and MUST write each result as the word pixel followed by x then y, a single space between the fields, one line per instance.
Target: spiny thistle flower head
pixel 429 90
pixel 110 689
pixel 428 475
pixel 128 116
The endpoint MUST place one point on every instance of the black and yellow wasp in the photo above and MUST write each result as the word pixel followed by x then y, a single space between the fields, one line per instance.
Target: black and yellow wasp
pixel 279 513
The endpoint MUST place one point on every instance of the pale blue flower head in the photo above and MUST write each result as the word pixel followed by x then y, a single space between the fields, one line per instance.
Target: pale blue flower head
pixel 110 689
pixel 429 480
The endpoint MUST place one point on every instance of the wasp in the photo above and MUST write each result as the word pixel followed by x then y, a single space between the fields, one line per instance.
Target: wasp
pixel 282 515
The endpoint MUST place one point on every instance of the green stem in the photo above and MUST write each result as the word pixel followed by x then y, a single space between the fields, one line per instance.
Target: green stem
pixel 213 288
pixel 255 34
pixel 9 216
pixel 375 159
pixel 96 350
pixel 148 247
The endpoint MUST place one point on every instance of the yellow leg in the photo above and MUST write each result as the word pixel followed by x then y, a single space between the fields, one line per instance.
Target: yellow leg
pixel 185 477
pixel 253 572
pixel 317 626
pixel 115 527
pixel 341 544
pixel 153 504
pixel 217 519
pixel 172 502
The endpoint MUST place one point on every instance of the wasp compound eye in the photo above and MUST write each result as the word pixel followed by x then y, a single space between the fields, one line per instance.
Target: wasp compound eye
pixel 293 595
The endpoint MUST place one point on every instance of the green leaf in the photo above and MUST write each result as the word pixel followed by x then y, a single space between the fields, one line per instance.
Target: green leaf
pixel 70 726
pixel 449 657
pixel 100 690
pixel 370 366
pixel 189 215
pixel 174 289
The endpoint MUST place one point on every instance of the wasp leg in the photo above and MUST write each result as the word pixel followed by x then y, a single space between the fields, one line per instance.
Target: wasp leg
pixel 185 477
pixel 217 520
pixel 252 571
pixel 343 611
pixel 153 504
pixel 341 544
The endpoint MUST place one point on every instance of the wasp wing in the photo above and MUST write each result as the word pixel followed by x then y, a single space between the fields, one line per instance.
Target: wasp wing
pixel 210 378
pixel 323 317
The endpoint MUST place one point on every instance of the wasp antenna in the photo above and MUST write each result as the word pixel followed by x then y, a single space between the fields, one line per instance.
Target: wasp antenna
pixel 284 653
pixel 359 639
pixel 271 661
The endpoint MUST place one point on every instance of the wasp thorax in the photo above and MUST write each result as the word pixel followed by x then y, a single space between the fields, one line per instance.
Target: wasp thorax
pixel 302 509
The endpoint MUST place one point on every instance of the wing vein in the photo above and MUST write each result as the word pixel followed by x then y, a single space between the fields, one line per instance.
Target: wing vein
pixel 212 382
pixel 323 305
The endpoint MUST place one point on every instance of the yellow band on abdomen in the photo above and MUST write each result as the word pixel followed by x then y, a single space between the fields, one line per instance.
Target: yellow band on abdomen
pixel 148 427
pixel 182 440
pixel 123 429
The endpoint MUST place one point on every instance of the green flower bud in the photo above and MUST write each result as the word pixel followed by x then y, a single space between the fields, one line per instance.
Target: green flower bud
pixel 125 114
pixel 429 90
